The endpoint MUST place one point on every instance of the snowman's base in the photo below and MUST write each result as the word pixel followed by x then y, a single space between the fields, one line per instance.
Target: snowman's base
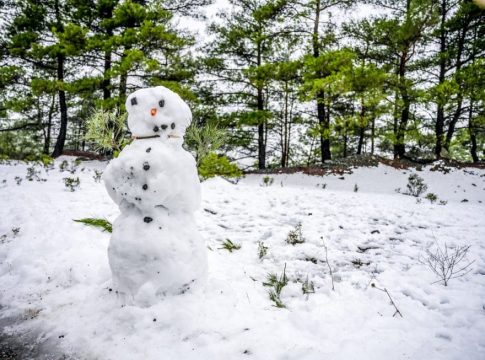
pixel 151 260
pixel 147 295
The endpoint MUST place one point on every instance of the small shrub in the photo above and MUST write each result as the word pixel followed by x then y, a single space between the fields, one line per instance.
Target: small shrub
pixel 267 181
pixel 230 246
pixel 46 160
pixel 431 197
pixel 63 165
pixel 70 167
pixel 276 284
pixel 18 180
pixel 262 250
pixel 215 165
pixel 72 183
pixel 356 188
pixel 308 287
pixel 43 159
pixel 448 263
pixel 73 167
pixel 97 176
pixel 443 202
pixel 416 185
pixel 295 236
pixel 32 174
pixel 103 224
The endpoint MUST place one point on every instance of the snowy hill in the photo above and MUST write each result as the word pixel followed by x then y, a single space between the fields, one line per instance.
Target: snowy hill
pixel 56 289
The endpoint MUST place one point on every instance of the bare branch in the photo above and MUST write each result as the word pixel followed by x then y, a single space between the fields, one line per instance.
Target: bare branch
pixel 328 264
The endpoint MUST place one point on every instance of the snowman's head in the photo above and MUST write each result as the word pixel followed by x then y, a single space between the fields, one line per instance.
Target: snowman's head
pixel 157 111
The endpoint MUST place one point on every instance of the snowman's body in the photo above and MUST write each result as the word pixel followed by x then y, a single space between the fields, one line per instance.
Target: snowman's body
pixel 155 248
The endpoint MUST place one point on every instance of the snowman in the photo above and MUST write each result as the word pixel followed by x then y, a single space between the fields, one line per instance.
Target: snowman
pixel 155 249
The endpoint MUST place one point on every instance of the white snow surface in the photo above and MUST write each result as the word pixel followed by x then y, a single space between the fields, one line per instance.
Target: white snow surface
pixel 55 279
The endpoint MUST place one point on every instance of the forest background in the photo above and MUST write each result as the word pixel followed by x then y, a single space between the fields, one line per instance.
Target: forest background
pixel 271 83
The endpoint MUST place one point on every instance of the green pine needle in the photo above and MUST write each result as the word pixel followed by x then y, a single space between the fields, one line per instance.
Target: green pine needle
pixel 103 224
pixel 230 246
pixel 276 284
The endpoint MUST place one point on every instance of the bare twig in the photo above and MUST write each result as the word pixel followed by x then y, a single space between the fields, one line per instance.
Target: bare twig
pixel 210 211
pixel 328 264
pixel 397 312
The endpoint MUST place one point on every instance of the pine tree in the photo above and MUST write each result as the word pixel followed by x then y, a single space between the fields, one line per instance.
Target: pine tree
pixel 287 81
pixel 318 28
pixel 404 35
pixel 42 36
pixel 369 79
pixel 244 44
pixel 463 47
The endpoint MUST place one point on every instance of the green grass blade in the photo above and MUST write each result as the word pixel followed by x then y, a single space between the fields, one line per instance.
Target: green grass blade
pixel 103 224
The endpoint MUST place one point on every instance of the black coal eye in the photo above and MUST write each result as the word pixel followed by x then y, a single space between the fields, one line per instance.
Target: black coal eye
pixel 172 126
pixel 164 126
pixel 161 103
pixel 133 101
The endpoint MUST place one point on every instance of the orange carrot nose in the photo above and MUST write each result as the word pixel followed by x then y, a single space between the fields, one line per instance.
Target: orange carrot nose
pixel 153 112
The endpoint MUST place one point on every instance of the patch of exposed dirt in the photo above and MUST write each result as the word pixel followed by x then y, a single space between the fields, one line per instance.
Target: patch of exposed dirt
pixel 345 166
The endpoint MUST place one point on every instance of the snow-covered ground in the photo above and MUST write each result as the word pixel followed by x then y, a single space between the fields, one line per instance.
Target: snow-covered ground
pixel 56 288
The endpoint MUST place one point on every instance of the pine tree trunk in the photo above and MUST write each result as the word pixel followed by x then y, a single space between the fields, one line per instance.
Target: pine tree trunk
pixel 284 152
pixel 400 127
pixel 61 138
pixel 106 84
pixel 395 124
pixel 361 130
pixel 459 107
pixel 345 142
pixel 373 135
pixel 122 89
pixel 400 146
pixel 440 114
pixel 261 127
pixel 261 133
pixel 320 96
pixel 471 127
pixel 473 136
pixel 400 124
pixel 47 142
pixel 361 140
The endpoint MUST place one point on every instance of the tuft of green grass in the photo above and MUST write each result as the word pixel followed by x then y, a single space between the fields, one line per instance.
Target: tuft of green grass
pixel 72 183
pixel 308 287
pixel 431 197
pixel 276 284
pixel 295 236
pixel 229 245
pixel 103 224
pixel 268 181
